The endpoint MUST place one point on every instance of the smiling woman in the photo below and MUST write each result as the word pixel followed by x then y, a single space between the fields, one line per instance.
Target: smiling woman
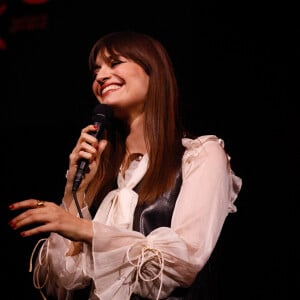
pixel 153 200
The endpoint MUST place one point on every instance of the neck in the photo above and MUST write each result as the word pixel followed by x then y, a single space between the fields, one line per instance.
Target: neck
pixel 135 141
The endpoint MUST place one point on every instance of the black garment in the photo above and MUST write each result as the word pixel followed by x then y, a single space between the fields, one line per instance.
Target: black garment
pixel 158 214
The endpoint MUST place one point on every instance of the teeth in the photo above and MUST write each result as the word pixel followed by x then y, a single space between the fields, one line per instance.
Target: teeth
pixel 110 87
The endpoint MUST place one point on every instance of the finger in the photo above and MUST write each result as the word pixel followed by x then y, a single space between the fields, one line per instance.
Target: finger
pixel 88 128
pixel 87 135
pixel 36 230
pixel 87 151
pixel 28 217
pixel 25 204
pixel 102 145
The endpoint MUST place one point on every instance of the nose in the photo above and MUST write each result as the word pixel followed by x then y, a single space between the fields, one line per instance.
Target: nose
pixel 102 75
pixel 101 80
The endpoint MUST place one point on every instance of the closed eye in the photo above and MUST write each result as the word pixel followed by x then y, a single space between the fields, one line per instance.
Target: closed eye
pixel 115 62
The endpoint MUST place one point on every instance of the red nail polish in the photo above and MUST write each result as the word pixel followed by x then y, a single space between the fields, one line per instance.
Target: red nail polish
pixel 12 225
pixel 11 206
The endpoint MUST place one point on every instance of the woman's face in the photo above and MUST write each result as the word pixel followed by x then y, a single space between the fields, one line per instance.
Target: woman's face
pixel 122 84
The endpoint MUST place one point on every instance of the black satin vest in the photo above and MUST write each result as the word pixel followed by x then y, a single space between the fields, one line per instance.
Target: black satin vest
pixel 159 214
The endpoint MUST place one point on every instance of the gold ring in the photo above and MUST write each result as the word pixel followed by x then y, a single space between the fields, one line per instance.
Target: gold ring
pixel 40 203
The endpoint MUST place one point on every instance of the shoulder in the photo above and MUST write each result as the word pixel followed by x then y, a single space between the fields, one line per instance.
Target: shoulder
pixel 206 146
pixel 205 157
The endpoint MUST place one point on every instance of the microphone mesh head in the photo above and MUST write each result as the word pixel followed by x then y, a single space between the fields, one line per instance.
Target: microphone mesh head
pixel 101 112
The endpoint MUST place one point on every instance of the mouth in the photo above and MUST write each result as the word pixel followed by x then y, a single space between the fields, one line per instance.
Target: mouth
pixel 111 87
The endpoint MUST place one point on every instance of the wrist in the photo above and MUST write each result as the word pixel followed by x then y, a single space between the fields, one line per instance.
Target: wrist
pixel 69 201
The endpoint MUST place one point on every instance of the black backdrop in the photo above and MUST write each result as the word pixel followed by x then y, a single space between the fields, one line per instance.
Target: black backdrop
pixel 232 60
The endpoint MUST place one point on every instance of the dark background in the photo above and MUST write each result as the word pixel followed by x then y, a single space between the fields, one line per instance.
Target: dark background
pixel 233 60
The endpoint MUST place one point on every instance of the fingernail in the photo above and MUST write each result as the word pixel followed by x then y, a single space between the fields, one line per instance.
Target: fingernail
pixel 12 225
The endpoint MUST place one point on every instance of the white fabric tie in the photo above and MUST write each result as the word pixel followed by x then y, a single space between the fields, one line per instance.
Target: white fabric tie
pixel 117 208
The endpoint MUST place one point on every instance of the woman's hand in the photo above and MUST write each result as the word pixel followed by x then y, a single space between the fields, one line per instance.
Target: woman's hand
pixel 89 148
pixel 44 216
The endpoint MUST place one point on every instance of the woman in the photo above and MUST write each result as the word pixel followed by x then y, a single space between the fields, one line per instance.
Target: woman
pixel 153 200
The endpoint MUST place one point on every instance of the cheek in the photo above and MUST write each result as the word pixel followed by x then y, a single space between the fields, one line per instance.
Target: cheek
pixel 95 88
pixel 142 81
pixel 145 84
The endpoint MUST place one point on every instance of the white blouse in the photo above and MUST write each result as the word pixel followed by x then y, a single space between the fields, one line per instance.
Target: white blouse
pixel 121 261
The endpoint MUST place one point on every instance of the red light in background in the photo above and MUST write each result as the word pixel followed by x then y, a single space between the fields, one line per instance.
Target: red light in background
pixel 3 7
pixel 3 45
pixel 35 2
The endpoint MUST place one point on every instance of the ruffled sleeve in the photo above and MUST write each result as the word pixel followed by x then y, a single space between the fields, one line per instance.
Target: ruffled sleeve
pixel 208 193
pixel 193 149
pixel 54 271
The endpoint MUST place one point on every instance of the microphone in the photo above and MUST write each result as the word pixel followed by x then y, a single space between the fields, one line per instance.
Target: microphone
pixel 101 118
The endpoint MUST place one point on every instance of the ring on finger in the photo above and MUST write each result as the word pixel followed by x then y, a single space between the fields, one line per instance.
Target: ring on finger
pixel 40 203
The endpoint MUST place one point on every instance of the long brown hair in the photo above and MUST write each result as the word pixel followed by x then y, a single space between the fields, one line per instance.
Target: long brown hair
pixel 162 124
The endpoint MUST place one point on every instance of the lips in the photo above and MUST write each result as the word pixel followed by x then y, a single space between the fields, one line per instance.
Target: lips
pixel 109 88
